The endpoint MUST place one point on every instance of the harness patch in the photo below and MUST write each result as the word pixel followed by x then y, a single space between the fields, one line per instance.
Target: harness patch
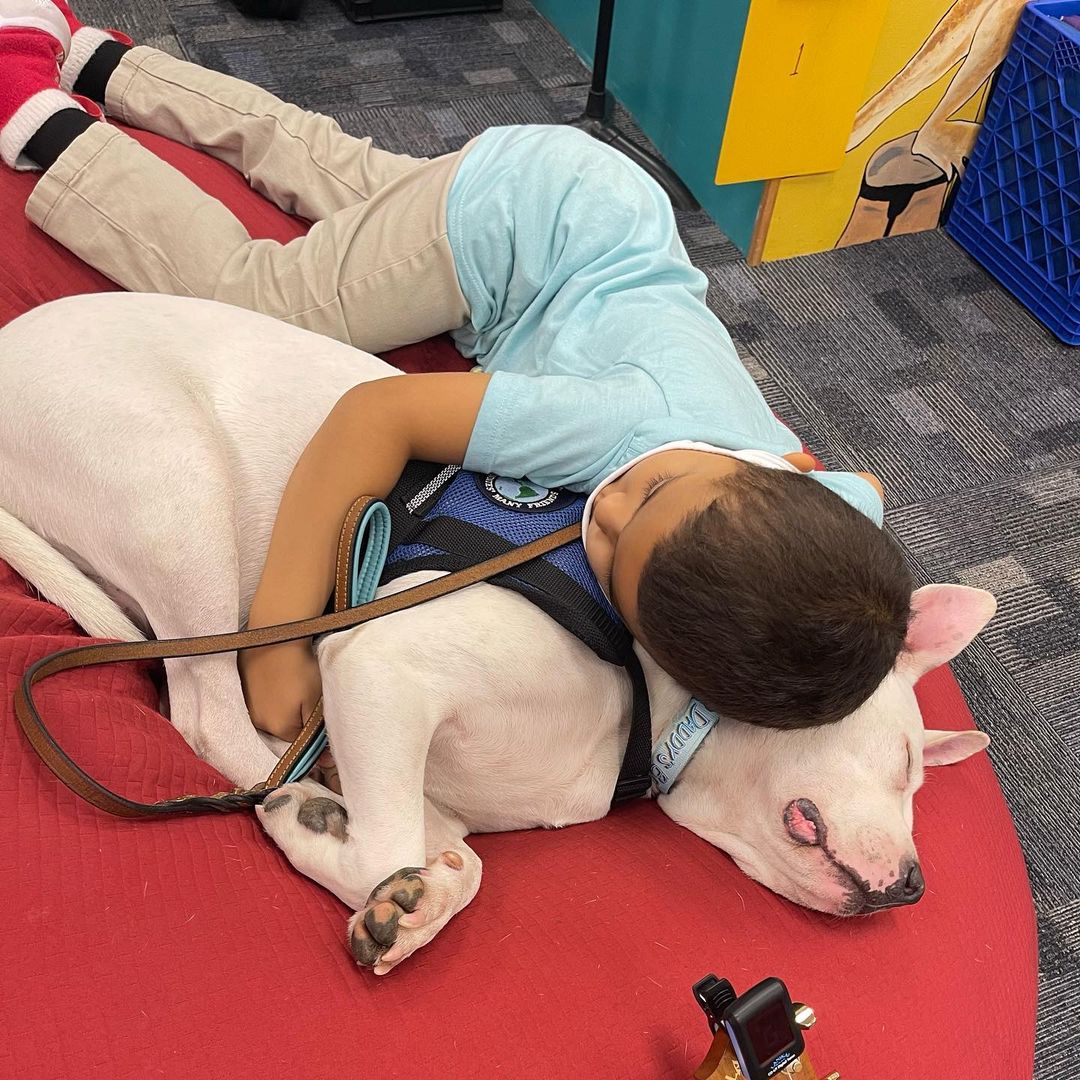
pixel 522 496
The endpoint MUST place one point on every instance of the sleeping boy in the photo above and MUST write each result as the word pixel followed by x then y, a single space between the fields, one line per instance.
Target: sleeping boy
pixel 766 589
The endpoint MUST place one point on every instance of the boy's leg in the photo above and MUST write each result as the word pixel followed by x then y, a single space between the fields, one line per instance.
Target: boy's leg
pixel 300 160
pixel 377 274
pixel 303 162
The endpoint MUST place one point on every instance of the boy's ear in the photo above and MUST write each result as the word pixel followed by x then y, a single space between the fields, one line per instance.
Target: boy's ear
pixel 944 619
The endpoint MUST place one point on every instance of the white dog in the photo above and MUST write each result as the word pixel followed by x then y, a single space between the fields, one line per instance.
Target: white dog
pixel 144 445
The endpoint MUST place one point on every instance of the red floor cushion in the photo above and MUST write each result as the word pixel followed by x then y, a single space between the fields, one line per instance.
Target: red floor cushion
pixel 189 947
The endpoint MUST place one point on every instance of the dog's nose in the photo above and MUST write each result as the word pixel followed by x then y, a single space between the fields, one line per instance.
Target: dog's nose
pixel 906 889
pixel 914 884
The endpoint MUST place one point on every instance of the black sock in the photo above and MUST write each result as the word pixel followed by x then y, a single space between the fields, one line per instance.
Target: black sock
pixel 56 135
pixel 97 71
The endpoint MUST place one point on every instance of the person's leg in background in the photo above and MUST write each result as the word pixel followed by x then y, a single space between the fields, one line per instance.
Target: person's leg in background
pixel 34 39
pixel 376 271
pixel 300 160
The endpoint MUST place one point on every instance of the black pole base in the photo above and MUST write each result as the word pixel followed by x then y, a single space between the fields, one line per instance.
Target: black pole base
pixel 270 9
pixel 596 121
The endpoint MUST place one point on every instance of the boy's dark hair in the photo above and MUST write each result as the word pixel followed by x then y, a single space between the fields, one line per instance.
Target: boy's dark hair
pixel 779 604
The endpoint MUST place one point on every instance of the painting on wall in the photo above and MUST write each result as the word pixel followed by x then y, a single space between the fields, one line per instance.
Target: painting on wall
pixel 912 135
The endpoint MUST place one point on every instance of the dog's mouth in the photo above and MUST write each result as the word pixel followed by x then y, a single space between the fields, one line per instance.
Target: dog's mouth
pixel 807 828
pixel 907 889
pixel 835 888
pixel 859 898
pixel 831 886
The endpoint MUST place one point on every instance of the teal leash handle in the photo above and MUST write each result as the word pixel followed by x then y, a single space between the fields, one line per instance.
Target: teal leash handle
pixel 370 547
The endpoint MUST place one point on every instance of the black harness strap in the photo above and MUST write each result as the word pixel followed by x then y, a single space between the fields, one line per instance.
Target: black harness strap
pixel 461 544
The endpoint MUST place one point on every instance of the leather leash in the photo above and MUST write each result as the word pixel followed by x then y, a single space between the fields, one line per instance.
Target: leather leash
pixel 342 618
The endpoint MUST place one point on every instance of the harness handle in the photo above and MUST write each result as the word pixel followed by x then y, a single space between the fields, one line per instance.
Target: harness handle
pixel 342 618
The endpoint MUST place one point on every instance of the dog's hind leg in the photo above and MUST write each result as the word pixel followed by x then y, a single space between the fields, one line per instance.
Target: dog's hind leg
pixel 206 705
pixel 198 593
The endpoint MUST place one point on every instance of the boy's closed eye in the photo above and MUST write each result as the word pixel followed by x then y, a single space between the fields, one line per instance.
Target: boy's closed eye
pixel 633 513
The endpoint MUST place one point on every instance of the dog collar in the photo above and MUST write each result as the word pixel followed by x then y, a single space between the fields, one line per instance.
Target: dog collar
pixel 676 746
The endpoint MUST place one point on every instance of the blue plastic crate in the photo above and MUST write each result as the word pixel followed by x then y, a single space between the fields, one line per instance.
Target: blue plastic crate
pixel 1018 207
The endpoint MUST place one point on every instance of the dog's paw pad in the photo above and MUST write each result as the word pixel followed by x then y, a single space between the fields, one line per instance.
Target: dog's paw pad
pixel 366 950
pixel 407 910
pixel 405 889
pixel 323 815
pixel 376 927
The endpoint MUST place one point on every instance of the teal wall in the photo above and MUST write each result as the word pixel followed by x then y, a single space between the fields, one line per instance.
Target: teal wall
pixel 673 66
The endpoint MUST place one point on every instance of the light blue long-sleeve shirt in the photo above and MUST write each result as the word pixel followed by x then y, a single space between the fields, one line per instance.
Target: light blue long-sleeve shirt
pixel 592 320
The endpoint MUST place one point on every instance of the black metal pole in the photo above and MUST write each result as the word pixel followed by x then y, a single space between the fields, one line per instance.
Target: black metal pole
pixel 596 120
pixel 597 105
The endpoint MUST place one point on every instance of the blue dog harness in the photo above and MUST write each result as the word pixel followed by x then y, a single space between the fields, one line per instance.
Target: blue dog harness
pixel 444 518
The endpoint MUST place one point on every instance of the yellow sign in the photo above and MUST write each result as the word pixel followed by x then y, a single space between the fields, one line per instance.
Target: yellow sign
pixel 802 72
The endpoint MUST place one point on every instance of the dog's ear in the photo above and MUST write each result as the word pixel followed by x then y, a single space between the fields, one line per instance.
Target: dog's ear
pixel 949 747
pixel 944 619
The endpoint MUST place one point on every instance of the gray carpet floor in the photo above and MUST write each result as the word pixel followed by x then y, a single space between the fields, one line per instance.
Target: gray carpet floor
pixel 902 357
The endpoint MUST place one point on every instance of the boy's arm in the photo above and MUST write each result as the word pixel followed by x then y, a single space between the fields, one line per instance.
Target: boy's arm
pixel 361 449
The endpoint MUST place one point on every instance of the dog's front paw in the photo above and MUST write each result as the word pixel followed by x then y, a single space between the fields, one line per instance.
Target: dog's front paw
pixel 302 804
pixel 312 828
pixel 409 908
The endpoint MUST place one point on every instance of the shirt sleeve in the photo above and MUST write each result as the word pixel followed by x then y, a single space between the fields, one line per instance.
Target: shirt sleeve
pixel 856 491
pixel 560 430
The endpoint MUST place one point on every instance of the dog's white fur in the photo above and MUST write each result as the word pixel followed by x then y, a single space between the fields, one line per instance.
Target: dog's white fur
pixel 144 445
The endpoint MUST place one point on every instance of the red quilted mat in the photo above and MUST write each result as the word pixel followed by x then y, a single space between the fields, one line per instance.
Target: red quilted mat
pixel 190 949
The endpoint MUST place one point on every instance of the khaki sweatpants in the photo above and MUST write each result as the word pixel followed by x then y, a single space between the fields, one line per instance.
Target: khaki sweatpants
pixel 375 270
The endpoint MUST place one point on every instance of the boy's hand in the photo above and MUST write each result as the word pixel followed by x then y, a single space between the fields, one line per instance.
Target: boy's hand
pixel 875 483
pixel 281 686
